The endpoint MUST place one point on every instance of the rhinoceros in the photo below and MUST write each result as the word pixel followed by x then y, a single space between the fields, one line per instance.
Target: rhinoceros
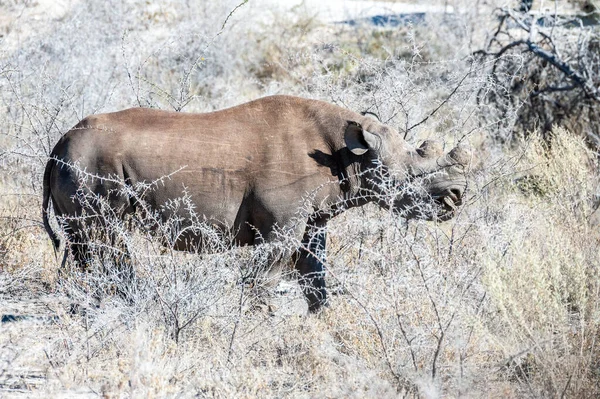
pixel 251 169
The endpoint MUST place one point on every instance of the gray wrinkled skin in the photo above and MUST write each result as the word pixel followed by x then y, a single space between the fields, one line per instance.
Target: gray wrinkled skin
pixel 253 168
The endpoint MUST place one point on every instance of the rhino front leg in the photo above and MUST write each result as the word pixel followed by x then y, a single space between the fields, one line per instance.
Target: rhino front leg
pixel 309 263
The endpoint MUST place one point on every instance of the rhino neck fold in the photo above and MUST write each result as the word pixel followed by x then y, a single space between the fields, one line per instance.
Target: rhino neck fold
pixel 348 191
pixel 351 182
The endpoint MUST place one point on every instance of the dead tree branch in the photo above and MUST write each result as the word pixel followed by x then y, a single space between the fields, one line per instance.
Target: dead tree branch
pixel 544 71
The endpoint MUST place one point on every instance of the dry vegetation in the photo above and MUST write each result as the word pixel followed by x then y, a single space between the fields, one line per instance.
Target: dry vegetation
pixel 502 301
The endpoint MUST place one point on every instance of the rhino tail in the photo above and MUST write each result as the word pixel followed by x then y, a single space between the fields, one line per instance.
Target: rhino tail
pixel 46 202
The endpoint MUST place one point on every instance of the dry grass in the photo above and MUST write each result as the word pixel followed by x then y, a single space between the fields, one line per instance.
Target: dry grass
pixel 502 301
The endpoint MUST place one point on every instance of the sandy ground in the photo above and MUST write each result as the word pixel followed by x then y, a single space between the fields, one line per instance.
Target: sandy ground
pixel 19 20
pixel 346 10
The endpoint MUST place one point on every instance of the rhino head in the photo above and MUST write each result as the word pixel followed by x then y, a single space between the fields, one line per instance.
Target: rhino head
pixel 421 183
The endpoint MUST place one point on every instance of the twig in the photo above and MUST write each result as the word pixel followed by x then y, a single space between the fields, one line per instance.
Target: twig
pixel 230 15
pixel 236 324
pixel 440 105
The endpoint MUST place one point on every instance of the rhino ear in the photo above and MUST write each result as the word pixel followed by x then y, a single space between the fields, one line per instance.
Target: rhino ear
pixel 359 140
pixel 371 115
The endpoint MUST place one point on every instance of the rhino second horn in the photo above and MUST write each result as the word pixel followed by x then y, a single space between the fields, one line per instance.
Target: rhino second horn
pixel 461 154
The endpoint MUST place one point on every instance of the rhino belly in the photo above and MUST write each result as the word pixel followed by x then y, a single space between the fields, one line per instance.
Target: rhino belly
pixel 198 204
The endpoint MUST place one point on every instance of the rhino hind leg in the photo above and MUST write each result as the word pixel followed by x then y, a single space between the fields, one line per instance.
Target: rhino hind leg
pixel 309 264
pixel 92 245
pixel 76 246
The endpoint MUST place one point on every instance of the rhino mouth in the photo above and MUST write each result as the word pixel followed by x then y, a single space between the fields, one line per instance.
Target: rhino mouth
pixel 440 205
pixel 447 203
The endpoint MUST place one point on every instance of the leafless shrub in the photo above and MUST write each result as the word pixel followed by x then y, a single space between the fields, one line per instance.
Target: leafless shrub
pixel 543 72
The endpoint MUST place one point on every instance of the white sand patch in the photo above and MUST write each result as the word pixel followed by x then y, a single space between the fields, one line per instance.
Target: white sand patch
pixel 333 11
